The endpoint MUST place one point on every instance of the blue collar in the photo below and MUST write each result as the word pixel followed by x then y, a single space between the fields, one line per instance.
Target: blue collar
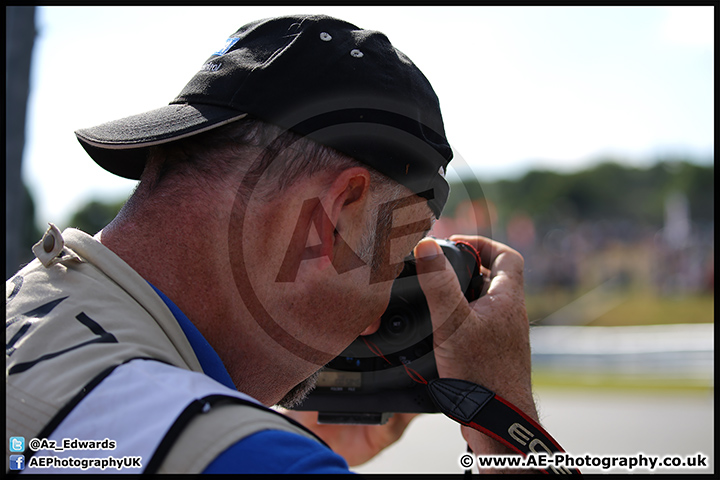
pixel 209 360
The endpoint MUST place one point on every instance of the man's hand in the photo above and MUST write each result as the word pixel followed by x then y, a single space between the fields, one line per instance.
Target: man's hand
pixel 356 443
pixel 486 342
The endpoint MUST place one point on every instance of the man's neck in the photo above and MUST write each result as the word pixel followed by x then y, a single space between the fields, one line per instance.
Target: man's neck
pixel 184 252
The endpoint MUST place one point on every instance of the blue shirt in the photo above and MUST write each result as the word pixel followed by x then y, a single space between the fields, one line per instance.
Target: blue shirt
pixel 267 451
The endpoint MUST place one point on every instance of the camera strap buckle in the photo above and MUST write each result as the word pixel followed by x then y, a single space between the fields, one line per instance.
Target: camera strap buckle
pixel 481 409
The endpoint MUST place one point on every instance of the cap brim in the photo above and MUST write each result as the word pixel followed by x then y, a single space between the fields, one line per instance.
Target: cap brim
pixel 120 146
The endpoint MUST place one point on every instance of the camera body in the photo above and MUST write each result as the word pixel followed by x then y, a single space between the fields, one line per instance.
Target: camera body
pixel 385 372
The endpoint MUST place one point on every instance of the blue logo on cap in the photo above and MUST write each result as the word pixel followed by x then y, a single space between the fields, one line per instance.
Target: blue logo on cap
pixel 228 45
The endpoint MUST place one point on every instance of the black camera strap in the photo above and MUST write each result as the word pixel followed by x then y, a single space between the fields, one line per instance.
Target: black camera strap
pixel 477 407
pixel 481 409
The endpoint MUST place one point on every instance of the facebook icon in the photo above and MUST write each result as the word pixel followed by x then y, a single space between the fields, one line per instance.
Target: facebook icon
pixel 17 462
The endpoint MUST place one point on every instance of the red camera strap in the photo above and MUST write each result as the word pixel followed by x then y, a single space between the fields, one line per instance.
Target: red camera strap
pixel 415 376
pixel 479 408
pixel 476 407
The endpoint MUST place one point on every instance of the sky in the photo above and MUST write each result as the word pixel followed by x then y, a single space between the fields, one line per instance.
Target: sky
pixel 520 87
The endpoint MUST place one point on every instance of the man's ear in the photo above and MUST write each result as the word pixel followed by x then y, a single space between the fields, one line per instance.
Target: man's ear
pixel 345 204
pixel 347 195
pixel 342 203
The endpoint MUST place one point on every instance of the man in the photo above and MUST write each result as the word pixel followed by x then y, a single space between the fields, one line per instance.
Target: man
pixel 256 247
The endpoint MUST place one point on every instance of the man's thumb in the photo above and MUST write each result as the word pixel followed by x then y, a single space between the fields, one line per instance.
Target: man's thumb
pixel 440 285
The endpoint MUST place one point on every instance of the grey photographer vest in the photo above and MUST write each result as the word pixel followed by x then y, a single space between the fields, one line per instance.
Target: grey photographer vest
pixel 94 354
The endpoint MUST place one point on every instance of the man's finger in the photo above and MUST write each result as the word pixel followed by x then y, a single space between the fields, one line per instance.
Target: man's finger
pixel 495 256
pixel 397 424
pixel 439 282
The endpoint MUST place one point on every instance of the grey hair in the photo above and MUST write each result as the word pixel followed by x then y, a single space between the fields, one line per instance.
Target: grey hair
pixel 259 149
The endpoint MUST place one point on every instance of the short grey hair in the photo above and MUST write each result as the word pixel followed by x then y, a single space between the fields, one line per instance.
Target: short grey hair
pixel 265 149
pixel 283 157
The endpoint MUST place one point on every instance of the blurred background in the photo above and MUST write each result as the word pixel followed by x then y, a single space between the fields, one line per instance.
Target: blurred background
pixel 583 138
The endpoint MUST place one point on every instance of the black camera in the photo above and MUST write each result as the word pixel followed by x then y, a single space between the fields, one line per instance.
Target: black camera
pixel 385 372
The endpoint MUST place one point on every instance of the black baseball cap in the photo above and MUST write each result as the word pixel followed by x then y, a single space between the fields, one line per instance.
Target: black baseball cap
pixel 318 76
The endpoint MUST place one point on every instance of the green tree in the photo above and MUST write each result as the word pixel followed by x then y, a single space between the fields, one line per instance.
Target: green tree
pixel 93 217
pixel 607 191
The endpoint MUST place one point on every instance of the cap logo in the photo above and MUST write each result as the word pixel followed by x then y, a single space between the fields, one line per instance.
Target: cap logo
pixel 228 45
pixel 211 67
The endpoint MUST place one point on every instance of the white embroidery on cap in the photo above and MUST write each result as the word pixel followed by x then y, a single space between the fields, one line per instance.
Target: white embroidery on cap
pixel 441 171
pixel 356 53
pixel 211 67
pixel 325 37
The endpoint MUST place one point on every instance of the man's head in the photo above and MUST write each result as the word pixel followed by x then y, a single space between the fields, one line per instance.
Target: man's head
pixel 279 177
pixel 293 201
pixel 320 77
pixel 305 231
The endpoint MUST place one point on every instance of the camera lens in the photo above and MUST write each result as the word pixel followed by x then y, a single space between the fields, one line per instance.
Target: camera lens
pixel 393 329
pixel 397 324
pixel 397 327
